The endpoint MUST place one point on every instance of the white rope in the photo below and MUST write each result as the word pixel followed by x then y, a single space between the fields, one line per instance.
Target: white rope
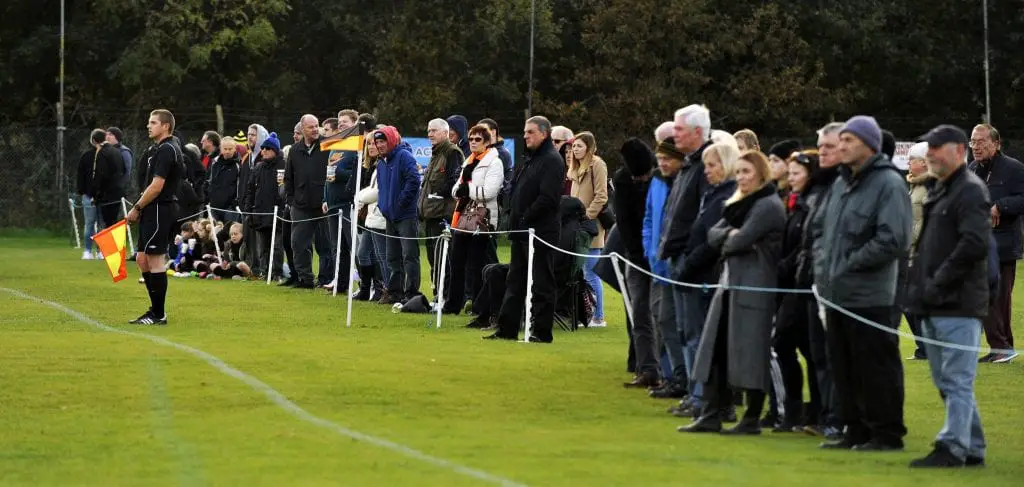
pixel 94 205
pixel 304 220
pixel 240 212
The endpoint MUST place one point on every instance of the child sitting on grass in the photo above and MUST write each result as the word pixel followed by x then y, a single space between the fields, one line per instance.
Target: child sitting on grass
pixel 232 264
pixel 186 245
pixel 206 249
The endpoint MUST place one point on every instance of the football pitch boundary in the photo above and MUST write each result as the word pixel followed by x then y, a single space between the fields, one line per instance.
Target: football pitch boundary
pixel 276 397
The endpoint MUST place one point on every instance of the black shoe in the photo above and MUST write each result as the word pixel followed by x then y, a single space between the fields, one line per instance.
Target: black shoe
pixel 671 390
pixel 362 295
pixel 304 285
pixel 138 321
pixel 787 427
pixel 290 282
pixel 875 445
pixel 646 380
pixel 769 421
pixel 987 358
pixel 474 323
pixel 499 336
pixel 940 457
pixel 973 461
pixel 150 319
pixel 536 339
pixel 730 415
pixel 745 427
pixel 843 443
pixel 706 424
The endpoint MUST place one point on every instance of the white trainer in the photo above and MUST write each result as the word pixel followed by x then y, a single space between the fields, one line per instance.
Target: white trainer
pixel 86 255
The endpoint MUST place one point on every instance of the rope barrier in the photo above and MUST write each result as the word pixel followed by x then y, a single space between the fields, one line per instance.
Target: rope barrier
pixel 240 212
pixel 75 204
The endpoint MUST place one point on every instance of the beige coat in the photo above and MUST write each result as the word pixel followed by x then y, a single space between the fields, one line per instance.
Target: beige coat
pixel 590 185
pixel 918 193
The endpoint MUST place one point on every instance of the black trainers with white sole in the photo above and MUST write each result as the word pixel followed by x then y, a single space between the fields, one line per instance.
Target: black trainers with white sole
pixel 138 321
pixel 149 319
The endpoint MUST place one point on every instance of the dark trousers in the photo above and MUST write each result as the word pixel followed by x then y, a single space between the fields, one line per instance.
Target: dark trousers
pixel 643 337
pixel 544 291
pixel 487 302
pixel 718 395
pixel 868 376
pixel 467 256
pixel 475 279
pixel 997 324
pixel 109 211
pixel 914 322
pixel 262 252
pixel 817 341
pixel 432 227
pixel 305 236
pixel 789 338
pixel 344 268
pixel 403 256
pixel 285 230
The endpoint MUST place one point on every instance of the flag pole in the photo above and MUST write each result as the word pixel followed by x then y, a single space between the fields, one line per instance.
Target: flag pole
pixel 128 229
pixel 74 223
pixel 355 229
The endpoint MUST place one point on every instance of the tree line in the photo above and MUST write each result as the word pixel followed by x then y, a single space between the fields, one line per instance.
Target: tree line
pixel 614 67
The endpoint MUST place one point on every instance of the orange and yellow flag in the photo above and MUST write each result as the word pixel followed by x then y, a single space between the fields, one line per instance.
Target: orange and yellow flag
pixel 111 242
pixel 346 140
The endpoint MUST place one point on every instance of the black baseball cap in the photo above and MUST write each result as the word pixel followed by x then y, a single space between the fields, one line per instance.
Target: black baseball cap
pixel 944 134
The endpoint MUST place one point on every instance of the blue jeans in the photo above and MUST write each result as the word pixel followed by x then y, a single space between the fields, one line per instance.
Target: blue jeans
pixel 92 216
pixel 364 250
pixel 380 243
pixel 595 282
pixel 953 372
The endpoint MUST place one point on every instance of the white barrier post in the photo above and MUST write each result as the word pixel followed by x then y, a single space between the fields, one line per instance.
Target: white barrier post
pixel 128 231
pixel 74 223
pixel 213 224
pixel 337 254
pixel 624 291
pixel 529 288
pixel 445 236
pixel 354 216
pixel 273 239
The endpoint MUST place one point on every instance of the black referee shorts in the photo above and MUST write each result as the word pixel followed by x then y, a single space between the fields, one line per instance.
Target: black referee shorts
pixel 156 225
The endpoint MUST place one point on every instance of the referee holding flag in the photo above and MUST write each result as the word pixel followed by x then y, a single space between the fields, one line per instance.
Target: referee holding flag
pixel 163 168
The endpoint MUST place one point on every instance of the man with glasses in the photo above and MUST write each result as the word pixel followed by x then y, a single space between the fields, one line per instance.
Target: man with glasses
pixel 1004 177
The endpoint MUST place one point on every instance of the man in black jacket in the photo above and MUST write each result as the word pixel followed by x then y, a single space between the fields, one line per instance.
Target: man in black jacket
pixel 949 289
pixel 107 177
pixel 536 191
pixel 1004 177
pixel 305 174
pixel 629 203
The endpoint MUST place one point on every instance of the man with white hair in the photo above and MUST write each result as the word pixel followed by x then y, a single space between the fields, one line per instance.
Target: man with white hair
pixel 918 179
pixel 560 137
pixel 691 134
pixel 436 203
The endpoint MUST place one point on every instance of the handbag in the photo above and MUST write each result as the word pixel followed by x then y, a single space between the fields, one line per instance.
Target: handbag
pixel 605 217
pixel 475 216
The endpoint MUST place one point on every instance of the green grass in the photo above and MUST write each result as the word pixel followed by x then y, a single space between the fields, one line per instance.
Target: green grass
pixel 80 406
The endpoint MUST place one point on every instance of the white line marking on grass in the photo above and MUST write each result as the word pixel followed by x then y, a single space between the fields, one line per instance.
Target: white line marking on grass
pixel 277 398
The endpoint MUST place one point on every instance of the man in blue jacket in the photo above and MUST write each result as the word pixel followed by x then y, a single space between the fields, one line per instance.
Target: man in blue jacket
pixel 398 180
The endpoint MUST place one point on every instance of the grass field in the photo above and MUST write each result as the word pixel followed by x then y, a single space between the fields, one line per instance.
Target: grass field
pixel 390 401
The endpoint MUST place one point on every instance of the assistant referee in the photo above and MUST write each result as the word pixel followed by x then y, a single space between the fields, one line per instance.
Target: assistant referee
pixel 163 166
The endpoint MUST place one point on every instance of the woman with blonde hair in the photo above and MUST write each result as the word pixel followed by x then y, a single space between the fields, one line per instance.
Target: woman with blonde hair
pixel 375 223
pixel 735 346
pixel 746 140
pixel 589 176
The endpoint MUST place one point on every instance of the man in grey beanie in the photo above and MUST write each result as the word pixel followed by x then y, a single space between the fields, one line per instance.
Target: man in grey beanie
pixel 861 232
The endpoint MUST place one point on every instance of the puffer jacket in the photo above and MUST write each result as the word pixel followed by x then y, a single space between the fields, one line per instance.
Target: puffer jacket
pixel 657 195
pixel 368 197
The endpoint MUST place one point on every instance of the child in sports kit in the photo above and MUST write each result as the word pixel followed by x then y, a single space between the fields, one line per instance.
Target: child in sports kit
pixel 233 264
pixel 186 247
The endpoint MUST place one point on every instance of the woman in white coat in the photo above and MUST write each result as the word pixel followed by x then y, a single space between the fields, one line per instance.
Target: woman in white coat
pixel 375 222
pixel 481 180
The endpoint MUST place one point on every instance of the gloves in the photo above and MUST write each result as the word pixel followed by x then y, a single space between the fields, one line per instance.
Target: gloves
pixel 462 191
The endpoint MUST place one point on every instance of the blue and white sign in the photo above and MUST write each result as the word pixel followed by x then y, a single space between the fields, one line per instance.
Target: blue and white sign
pixel 421 149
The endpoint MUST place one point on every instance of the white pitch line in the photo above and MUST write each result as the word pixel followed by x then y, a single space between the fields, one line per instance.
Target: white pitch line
pixel 279 399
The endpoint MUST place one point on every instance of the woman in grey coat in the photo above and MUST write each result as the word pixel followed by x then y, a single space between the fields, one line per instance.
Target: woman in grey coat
pixel 735 347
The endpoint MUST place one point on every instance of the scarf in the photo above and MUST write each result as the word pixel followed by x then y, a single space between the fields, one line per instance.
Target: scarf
pixel 791 202
pixel 735 212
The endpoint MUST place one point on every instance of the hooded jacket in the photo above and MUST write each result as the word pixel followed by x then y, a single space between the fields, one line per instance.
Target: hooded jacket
pixel 398 179
pixel 305 173
pixel 507 165
pixel 460 125
pixel 253 157
pixel 263 194
pixel 128 157
pixel 1004 177
pixel 654 212
pixel 536 192
pixel 223 187
pixel 949 276
pixel 862 229
pixel 630 197
pixel 683 205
